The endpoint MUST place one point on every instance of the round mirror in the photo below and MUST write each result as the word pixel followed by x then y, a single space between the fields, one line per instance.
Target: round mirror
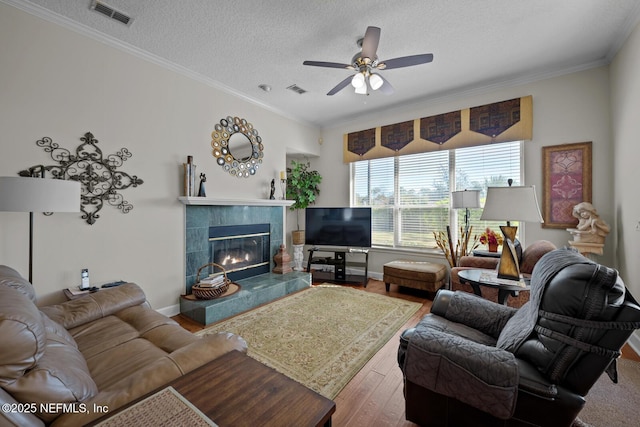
pixel 237 146
pixel 240 147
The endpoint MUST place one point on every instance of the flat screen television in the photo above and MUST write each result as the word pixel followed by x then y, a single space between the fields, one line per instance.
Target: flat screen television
pixel 349 227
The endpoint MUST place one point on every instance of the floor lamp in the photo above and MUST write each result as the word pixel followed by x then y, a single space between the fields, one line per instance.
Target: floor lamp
pixel 26 194
pixel 511 204
pixel 467 199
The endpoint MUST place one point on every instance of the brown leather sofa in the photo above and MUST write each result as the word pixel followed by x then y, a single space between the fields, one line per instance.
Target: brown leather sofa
pixel 107 349
pixel 530 257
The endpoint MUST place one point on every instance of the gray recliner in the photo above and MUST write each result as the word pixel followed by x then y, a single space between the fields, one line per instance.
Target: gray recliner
pixel 474 362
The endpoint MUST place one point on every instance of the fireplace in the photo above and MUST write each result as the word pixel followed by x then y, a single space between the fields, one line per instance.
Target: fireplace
pixel 205 217
pixel 242 250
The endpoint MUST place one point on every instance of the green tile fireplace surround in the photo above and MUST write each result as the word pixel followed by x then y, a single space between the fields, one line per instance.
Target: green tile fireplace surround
pixel 203 213
pixel 254 291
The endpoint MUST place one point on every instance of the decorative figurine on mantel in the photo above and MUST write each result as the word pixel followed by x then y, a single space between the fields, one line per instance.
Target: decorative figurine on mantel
pixel 201 191
pixel 591 231
pixel 273 190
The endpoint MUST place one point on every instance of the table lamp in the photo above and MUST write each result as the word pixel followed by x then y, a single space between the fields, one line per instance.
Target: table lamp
pixel 510 204
pixel 27 194
pixel 467 199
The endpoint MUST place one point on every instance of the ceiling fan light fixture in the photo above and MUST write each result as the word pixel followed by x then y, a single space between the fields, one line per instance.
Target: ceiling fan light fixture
pixel 358 81
pixel 362 90
pixel 375 81
pixel 366 61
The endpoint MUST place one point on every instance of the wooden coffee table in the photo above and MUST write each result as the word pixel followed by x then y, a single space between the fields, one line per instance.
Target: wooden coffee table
pixel 236 390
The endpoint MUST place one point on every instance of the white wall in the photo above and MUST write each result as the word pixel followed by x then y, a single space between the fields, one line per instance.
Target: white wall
pixel 625 106
pixel 55 82
pixel 566 109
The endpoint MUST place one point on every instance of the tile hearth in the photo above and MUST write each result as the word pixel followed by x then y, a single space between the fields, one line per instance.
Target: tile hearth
pixel 254 291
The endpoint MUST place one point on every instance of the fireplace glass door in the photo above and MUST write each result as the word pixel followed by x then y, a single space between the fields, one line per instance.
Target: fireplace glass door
pixel 242 250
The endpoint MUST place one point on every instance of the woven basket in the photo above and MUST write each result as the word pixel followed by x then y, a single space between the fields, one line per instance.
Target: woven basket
pixel 210 292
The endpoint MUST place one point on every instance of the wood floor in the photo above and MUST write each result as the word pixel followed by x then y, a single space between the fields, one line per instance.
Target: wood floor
pixel 374 396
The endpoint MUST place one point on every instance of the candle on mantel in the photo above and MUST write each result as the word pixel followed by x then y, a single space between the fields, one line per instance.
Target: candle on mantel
pixel 283 175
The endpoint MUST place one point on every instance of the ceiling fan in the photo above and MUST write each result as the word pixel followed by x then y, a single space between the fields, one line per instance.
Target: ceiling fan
pixel 366 63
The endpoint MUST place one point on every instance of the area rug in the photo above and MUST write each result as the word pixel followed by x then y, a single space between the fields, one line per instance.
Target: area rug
pixel 322 336
pixel 613 405
pixel 166 408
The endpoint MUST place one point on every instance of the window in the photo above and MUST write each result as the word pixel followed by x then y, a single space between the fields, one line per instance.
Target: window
pixel 409 195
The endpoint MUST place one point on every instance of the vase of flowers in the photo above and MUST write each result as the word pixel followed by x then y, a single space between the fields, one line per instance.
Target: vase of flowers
pixel 491 239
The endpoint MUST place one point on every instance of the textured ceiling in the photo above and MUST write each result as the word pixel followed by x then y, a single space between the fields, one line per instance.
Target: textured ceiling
pixel 238 45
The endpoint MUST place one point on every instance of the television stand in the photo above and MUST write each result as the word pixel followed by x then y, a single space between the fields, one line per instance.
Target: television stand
pixel 340 264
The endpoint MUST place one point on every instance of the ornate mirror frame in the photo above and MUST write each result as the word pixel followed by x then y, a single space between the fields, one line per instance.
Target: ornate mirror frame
pixel 223 146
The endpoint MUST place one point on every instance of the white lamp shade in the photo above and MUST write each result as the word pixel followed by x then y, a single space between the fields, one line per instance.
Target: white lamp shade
pixel 358 80
pixel 511 204
pixel 24 194
pixel 362 90
pixel 465 199
pixel 375 81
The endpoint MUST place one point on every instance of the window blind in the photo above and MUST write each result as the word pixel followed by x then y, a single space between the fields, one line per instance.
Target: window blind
pixel 409 195
pixel 486 166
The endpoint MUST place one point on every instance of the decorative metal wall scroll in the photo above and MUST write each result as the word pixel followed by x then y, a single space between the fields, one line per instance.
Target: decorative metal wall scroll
pixel 237 146
pixel 100 181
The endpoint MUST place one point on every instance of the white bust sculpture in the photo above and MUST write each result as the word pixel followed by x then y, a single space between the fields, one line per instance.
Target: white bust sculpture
pixel 591 228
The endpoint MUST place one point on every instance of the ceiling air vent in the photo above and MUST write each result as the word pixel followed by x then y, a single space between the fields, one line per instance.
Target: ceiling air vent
pixel 110 12
pixel 297 89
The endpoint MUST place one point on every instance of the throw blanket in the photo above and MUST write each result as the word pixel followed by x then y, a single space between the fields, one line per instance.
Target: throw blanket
pixel 521 325
pixel 586 300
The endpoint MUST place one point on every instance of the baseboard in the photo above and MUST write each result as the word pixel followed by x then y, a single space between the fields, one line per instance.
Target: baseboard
pixel 375 275
pixel 170 311
pixel 634 342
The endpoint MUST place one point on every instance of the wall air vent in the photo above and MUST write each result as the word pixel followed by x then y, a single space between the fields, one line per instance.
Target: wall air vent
pixel 110 12
pixel 297 89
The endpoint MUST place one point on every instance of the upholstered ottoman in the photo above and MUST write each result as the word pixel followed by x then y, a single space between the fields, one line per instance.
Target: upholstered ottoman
pixel 428 276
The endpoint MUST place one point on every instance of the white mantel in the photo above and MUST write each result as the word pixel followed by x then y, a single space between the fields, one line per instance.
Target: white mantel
pixel 213 201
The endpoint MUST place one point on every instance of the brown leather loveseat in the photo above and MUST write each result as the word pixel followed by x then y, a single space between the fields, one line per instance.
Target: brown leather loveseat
pixel 64 364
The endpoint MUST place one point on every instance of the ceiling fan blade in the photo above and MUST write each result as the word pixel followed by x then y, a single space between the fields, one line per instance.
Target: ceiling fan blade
pixel 405 61
pixel 370 43
pixel 328 64
pixel 386 87
pixel 340 86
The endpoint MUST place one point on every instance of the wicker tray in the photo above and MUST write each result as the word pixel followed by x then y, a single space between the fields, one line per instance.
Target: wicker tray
pixel 210 292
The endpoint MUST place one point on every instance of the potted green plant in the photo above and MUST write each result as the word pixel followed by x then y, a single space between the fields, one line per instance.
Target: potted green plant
pixel 302 188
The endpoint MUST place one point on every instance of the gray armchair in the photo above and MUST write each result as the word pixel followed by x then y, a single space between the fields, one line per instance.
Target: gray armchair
pixel 474 362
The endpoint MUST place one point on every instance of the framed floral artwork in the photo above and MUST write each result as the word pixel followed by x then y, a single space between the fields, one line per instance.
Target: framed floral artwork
pixel 567 182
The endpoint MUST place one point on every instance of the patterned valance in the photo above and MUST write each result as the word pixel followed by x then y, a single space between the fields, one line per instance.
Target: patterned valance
pixel 396 137
pixel 504 121
pixel 361 142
